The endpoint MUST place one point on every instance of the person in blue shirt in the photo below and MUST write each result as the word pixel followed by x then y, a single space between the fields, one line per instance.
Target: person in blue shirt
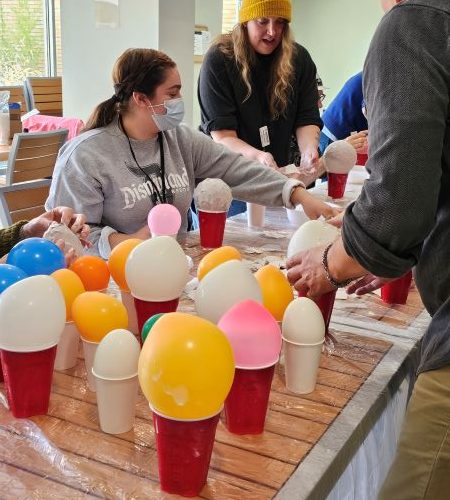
pixel 344 116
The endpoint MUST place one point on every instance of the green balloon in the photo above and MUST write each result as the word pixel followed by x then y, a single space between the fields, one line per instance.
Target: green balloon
pixel 148 325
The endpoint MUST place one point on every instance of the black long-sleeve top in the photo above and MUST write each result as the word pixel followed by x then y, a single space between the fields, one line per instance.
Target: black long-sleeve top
pixel 222 92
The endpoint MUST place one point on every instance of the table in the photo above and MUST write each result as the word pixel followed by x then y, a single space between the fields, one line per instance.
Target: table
pixel 309 440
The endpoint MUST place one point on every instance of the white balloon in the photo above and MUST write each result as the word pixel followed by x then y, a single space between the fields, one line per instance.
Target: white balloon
pixel 303 322
pixel 223 287
pixel 157 270
pixel 32 315
pixel 339 157
pixel 311 234
pixel 117 356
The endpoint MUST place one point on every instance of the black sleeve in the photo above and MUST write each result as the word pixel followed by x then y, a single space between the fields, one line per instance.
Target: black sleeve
pixel 215 94
pixel 407 96
pixel 308 95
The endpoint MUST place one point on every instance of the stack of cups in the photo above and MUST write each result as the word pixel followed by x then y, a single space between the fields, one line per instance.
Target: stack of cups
pixel 71 287
pixel 185 372
pixel 396 292
pixel 32 318
pixel 255 215
pixel 339 158
pixel 212 199
pixel 255 337
pixel 96 314
pixel 115 371
pixel 303 337
pixel 156 272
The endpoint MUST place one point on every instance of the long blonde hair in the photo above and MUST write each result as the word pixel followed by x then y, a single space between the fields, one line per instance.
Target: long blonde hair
pixel 236 44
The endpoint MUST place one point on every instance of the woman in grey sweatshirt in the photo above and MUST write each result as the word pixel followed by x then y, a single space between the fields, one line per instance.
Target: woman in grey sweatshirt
pixel 136 153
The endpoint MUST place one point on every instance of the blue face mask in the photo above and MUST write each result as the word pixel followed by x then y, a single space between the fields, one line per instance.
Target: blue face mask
pixel 173 117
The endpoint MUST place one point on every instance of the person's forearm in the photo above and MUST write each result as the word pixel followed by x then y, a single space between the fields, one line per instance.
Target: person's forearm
pixel 308 138
pixel 343 267
pixel 308 177
pixel 237 145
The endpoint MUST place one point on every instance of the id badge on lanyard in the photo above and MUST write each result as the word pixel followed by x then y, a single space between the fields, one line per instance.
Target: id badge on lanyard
pixel 264 135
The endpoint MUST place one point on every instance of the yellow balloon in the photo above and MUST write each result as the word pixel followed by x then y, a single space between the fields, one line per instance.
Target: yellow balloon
pixel 71 286
pixel 186 367
pixel 96 314
pixel 215 258
pixel 118 259
pixel 276 291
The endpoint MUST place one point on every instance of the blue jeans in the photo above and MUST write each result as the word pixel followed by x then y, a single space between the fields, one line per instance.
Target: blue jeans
pixel 237 207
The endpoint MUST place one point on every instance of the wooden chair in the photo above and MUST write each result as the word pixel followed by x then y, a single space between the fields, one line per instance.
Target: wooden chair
pixel 17 94
pixel 23 201
pixel 33 155
pixel 44 94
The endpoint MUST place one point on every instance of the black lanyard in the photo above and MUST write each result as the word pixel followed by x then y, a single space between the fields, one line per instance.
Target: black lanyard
pixel 156 195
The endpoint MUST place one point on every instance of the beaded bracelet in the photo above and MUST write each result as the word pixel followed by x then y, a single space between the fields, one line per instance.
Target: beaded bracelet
pixel 336 284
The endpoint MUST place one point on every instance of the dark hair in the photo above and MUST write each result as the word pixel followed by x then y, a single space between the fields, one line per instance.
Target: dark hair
pixel 140 70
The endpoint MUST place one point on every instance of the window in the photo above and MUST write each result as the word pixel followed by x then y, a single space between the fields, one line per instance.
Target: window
pixel 30 39
pixel 230 14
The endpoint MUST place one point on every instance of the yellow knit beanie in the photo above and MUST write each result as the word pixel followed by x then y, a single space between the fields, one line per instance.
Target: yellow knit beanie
pixel 253 9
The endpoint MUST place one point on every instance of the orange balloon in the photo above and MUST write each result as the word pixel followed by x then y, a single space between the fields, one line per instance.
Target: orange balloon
pixel 118 259
pixel 215 258
pixel 71 286
pixel 276 291
pixel 96 314
pixel 93 271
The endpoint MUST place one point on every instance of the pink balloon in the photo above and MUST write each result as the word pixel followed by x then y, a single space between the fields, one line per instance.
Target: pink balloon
pixel 164 220
pixel 253 333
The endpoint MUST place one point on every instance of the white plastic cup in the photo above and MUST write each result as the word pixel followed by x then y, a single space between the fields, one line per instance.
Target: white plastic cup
pixel 5 130
pixel 128 302
pixel 255 215
pixel 301 365
pixel 296 216
pixel 67 351
pixel 116 402
pixel 89 349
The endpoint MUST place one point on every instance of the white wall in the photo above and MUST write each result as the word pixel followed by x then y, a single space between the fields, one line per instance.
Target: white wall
pixel 89 53
pixel 337 35
pixel 207 13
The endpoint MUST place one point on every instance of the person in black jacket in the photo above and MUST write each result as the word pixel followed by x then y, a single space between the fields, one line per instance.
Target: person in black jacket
pixel 257 88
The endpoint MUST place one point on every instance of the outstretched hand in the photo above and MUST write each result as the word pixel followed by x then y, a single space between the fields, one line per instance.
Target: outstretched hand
pixel 75 222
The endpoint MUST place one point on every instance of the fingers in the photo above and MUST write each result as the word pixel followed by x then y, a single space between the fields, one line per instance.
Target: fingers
pixel 70 257
pixel 77 223
pixel 365 285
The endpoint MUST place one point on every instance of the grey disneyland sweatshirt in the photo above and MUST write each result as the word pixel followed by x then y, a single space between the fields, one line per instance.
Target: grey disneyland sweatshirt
pixel 402 218
pixel 95 174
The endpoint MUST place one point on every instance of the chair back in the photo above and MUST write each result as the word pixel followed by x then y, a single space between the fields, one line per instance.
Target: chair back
pixel 23 201
pixel 44 94
pixel 33 155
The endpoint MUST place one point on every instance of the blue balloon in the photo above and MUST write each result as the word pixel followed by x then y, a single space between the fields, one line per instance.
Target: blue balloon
pixel 36 256
pixel 10 275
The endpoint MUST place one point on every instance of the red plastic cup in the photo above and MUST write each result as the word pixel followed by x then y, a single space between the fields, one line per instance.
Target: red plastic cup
pixel 145 309
pixel 336 185
pixel 184 452
pixel 212 227
pixel 245 408
pixel 28 380
pixel 361 159
pixel 1 370
pixel 396 292
pixel 325 303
